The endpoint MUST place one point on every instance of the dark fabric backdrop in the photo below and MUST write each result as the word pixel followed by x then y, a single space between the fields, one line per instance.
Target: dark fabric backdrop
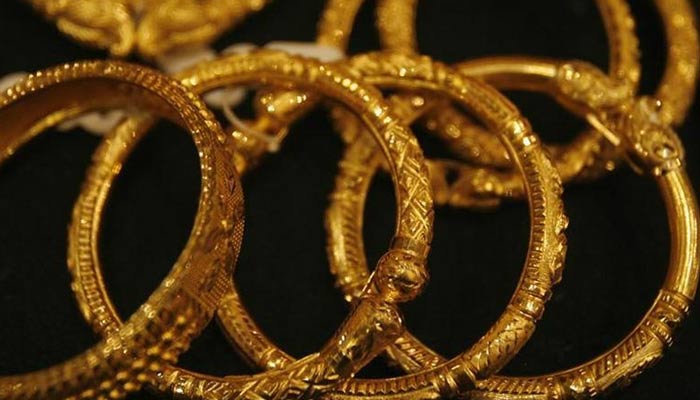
pixel 618 240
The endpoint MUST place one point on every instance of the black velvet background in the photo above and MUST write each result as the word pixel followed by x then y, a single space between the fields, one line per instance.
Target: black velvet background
pixel 618 243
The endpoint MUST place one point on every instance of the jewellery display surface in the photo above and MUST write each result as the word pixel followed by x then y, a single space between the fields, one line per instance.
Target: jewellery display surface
pixel 495 146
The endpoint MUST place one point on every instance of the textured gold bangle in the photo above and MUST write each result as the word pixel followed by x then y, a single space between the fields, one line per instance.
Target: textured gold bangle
pixel 396 25
pixel 562 80
pixel 150 27
pixel 344 219
pixel 374 323
pixel 585 157
pixel 653 148
pixel 637 128
pixel 186 301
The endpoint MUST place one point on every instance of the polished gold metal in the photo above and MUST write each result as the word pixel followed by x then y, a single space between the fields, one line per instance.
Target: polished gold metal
pixel 396 24
pixel 149 27
pixel 621 125
pixel 587 157
pixel 337 20
pixel 584 158
pixel 637 128
pixel 651 147
pixel 344 219
pixel 184 303
pixel 375 321
pixel 276 109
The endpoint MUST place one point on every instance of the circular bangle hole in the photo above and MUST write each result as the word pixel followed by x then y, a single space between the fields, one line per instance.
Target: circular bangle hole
pixel 618 252
pixel 38 186
pixel 282 272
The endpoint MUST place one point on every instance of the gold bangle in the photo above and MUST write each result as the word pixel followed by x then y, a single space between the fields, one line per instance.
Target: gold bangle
pixel 115 25
pixel 653 148
pixel 637 128
pixel 374 323
pixel 588 156
pixel 186 301
pixel 396 25
pixel 344 221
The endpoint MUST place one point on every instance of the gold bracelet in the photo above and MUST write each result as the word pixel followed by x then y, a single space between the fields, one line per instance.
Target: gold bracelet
pixel 585 158
pixel 186 301
pixel 653 148
pixel 344 221
pixel 149 27
pixel 396 25
pixel 374 323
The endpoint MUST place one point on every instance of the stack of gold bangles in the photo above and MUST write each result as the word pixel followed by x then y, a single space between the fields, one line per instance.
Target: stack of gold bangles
pixel 501 158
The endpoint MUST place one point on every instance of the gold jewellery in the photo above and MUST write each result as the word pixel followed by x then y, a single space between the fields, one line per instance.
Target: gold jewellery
pixel 149 27
pixel 400 274
pixel 185 301
pixel 542 267
pixel 588 155
pixel 498 157
pixel 652 148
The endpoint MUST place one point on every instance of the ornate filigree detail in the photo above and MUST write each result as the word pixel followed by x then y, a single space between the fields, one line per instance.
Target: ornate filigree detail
pixel 106 24
pixel 581 82
pixel 637 124
pixel 175 24
pixel 152 27
pixel 651 144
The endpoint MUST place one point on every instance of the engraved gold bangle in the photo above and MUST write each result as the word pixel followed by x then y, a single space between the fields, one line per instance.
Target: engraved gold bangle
pixel 653 148
pixel 344 219
pixel 396 25
pixel 400 275
pixel 276 109
pixel 186 301
pixel 588 156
